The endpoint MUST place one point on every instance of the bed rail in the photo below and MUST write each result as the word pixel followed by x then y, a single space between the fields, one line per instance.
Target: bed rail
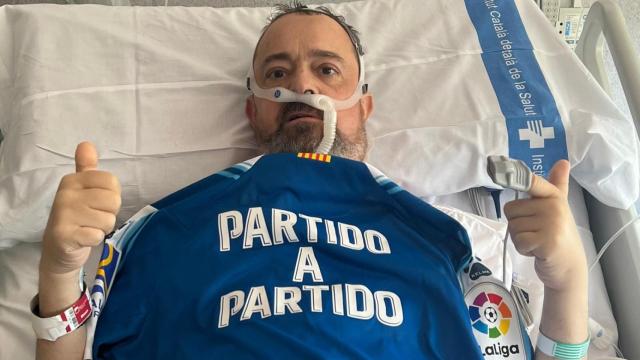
pixel 621 263
pixel 606 21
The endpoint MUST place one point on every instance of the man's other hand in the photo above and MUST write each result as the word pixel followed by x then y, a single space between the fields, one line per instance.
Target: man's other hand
pixel 543 226
pixel 83 212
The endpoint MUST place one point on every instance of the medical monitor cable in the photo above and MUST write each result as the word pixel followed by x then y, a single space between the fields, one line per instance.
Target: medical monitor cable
pixel 504 249
pixel 609 242
pixel 510 174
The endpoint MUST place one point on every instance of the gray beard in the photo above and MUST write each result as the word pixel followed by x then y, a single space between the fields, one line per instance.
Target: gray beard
pixel 306 137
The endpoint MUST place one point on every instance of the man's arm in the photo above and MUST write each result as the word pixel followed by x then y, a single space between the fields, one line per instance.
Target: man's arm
pixel 83 211
pixel 57 293
pixel 543 227
pixel 565 316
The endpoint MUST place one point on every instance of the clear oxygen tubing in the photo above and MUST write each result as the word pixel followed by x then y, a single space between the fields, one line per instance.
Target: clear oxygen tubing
pixel 328 105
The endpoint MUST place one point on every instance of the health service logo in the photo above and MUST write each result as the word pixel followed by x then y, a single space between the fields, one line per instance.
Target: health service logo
pixel 490 315
pixel 536 134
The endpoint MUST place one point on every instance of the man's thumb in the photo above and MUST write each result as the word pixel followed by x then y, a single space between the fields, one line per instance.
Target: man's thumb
pixel 86 157
pixel 559 176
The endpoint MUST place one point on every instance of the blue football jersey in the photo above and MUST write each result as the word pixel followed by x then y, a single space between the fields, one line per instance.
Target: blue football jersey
pixel 285 256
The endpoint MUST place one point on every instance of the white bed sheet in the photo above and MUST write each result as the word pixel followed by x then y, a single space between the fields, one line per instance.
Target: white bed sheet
pixel 58 91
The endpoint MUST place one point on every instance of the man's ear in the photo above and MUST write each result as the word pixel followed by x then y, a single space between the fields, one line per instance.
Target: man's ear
pixel 250 110
pixel 366 107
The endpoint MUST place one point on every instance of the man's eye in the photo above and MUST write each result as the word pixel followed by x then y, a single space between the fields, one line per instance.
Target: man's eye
pixel 276 74
pixel 327 70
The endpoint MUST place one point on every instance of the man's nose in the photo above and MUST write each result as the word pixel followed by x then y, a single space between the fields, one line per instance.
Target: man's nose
pixel 303 82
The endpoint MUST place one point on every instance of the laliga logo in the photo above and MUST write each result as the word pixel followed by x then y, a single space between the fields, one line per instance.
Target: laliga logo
pixel 536 134
pixel 490 315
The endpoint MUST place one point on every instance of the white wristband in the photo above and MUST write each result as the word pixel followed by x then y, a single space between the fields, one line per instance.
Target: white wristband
pixel 52 328
pixel 560 350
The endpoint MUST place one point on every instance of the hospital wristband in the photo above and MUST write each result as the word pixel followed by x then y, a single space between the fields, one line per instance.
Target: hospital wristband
pixel 67 321
pixel 560 350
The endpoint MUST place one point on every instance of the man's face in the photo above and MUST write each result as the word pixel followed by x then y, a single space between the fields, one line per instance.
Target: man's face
pixel 312 54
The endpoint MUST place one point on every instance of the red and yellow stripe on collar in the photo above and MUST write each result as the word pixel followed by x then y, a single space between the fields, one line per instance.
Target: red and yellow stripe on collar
pixel 313 156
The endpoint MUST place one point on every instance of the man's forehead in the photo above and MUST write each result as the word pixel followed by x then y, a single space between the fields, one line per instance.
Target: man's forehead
pixel 316 34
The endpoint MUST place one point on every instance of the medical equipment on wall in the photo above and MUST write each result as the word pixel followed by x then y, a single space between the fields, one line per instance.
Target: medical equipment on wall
pixel 328 105
pixel 568 17
pixel 551 8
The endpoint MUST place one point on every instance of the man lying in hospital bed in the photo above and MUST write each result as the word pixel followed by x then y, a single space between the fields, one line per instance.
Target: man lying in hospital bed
pixel 183 64
pixel 315 54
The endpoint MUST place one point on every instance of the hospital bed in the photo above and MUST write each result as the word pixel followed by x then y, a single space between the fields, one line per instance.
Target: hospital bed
pixel 160 92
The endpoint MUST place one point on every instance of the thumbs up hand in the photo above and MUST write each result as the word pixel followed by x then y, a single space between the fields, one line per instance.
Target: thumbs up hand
pixel 543 226
pixel 83 212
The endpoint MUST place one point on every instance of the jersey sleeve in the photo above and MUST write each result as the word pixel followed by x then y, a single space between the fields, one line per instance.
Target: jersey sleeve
pixel 114 252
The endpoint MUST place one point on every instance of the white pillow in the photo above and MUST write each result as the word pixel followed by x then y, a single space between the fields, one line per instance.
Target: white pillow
pixel 160 91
